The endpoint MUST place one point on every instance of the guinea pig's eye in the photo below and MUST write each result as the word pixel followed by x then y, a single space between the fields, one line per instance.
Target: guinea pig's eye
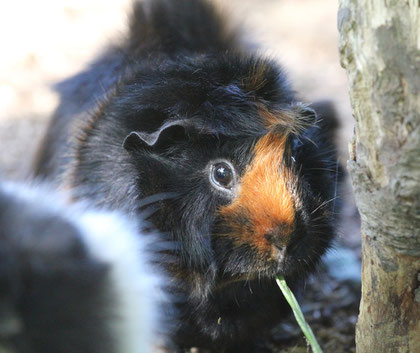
pixel 222 175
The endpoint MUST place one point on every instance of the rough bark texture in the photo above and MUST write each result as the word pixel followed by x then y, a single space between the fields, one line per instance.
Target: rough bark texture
pixel 380 49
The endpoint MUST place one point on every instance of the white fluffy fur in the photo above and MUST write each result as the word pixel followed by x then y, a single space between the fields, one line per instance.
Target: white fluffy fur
pixel 138 290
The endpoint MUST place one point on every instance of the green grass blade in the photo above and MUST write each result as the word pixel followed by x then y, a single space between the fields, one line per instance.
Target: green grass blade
pixel 307 331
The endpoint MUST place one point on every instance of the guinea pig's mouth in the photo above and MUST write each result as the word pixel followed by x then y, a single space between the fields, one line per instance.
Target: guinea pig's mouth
pixel 248 265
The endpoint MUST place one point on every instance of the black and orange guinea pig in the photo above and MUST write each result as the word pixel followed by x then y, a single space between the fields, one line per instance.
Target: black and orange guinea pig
pixel 242 174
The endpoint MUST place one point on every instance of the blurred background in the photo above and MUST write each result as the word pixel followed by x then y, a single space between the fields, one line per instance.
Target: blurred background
pixel 45 41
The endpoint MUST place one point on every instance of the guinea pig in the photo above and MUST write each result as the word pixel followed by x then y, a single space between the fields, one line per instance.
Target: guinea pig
pixel 73 279
pixel 180 108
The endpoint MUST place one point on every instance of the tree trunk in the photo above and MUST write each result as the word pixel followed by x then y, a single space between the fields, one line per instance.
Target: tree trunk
pixel 380 49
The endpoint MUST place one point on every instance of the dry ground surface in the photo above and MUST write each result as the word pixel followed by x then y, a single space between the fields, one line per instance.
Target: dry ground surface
pixel 46 40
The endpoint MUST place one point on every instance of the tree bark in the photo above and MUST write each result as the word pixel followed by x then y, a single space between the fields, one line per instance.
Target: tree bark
pixel 380 49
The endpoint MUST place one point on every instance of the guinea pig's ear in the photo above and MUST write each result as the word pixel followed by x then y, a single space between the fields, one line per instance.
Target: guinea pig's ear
pixel 170 130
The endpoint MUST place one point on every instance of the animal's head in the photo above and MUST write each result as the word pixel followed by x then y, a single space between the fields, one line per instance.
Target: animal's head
pixel 227 139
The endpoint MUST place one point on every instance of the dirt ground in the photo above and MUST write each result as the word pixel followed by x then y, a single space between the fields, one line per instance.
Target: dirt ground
pixel 48 40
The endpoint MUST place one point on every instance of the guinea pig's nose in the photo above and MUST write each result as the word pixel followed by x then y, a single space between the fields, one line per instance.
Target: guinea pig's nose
pixel 278 236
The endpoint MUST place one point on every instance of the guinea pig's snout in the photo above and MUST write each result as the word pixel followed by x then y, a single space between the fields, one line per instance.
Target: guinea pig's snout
pixel 279 236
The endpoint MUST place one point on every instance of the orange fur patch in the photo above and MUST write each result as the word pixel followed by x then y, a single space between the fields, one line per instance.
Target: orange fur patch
pixel 265 195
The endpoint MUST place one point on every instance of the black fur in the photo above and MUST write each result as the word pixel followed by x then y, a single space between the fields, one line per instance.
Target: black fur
pixel 51 290
pixel 179 93
pixel 58 292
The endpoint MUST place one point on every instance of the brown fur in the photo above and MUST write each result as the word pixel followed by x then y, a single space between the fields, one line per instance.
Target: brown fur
pixel 265 196
pixel 289 120
pixel 257 77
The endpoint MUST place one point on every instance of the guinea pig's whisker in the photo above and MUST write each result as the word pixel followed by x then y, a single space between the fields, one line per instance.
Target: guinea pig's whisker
pixel 148 200
pixel 335 184
pixel 325 203
pixel 311 141
pixel 323 169
pixel 149 211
